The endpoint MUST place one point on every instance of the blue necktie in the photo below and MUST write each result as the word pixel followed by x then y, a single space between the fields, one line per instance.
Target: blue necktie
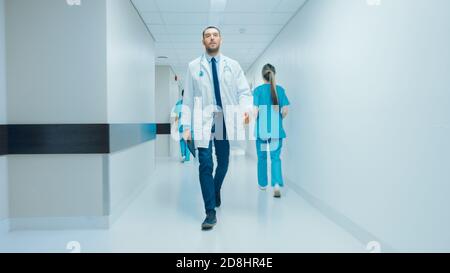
pixel 216 83
pixel 218 128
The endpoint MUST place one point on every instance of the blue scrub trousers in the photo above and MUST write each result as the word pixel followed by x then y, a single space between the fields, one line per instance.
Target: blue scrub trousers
pixel 211 185
pixel 274 146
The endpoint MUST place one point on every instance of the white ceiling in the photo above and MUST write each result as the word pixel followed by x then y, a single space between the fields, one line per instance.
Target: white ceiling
pixel 177 27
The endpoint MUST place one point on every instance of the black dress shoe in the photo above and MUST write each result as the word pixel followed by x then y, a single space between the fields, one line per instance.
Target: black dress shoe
pixel 210 221
pixel 218 201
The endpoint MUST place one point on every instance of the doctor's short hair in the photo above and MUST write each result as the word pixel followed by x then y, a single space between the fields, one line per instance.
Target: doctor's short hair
pixel 214 27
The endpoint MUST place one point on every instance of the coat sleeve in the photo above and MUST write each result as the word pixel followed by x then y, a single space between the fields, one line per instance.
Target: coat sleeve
pixel 188 101
pixel 243 91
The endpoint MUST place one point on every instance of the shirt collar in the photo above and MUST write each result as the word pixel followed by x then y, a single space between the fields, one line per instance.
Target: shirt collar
pixel 209 58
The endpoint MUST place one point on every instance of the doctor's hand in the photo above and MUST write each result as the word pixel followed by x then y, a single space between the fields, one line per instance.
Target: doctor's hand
pixel 284 112
pixel 246 118
pixel 187 134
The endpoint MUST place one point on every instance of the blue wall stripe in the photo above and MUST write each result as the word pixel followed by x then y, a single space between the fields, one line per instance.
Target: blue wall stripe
pixel 123 136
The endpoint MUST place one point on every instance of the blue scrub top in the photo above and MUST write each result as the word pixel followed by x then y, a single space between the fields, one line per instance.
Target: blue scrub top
pixel 266 126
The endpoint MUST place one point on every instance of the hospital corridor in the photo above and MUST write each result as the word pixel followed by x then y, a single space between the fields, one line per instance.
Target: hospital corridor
pixel 165 218
pixel 224 126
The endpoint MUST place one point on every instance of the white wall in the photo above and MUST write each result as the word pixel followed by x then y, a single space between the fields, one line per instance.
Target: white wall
pixel 369 123
pixel 56 71
pixel 3 119
pixel 131 99
pixel 162 107
pixel 131 65
pixel 3 190
pixel 167 94
pixel 69 192
pixel 56 62
pixel 92 63
pixel 129 173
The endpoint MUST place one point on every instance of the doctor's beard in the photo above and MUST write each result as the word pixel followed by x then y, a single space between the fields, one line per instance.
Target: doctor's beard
pixel 212 51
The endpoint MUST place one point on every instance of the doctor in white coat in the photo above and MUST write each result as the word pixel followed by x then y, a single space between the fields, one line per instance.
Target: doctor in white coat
pixel 217 104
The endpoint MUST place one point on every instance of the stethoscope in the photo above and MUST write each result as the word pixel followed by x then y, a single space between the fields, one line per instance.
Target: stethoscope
pixel 226 68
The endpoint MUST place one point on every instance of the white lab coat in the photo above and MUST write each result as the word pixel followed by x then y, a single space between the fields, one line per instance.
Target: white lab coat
pixel 199 99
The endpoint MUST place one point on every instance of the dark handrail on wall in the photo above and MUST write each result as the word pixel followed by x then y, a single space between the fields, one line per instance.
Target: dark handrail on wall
pixel 76 138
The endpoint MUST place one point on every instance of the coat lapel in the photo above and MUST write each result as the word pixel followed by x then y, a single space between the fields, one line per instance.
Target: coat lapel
pixel 222 67
pixel 205 67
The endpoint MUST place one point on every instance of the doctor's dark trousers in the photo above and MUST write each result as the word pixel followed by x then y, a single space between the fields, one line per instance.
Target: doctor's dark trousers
pixel 210 184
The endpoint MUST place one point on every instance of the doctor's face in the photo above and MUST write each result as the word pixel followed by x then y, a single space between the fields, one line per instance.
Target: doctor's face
pixel 212 40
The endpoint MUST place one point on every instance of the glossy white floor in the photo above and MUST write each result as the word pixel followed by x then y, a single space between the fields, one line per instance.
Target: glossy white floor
pixel 166 217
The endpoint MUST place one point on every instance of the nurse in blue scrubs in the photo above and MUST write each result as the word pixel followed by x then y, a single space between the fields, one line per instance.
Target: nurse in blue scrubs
pixel 185 154
pixel 271 107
